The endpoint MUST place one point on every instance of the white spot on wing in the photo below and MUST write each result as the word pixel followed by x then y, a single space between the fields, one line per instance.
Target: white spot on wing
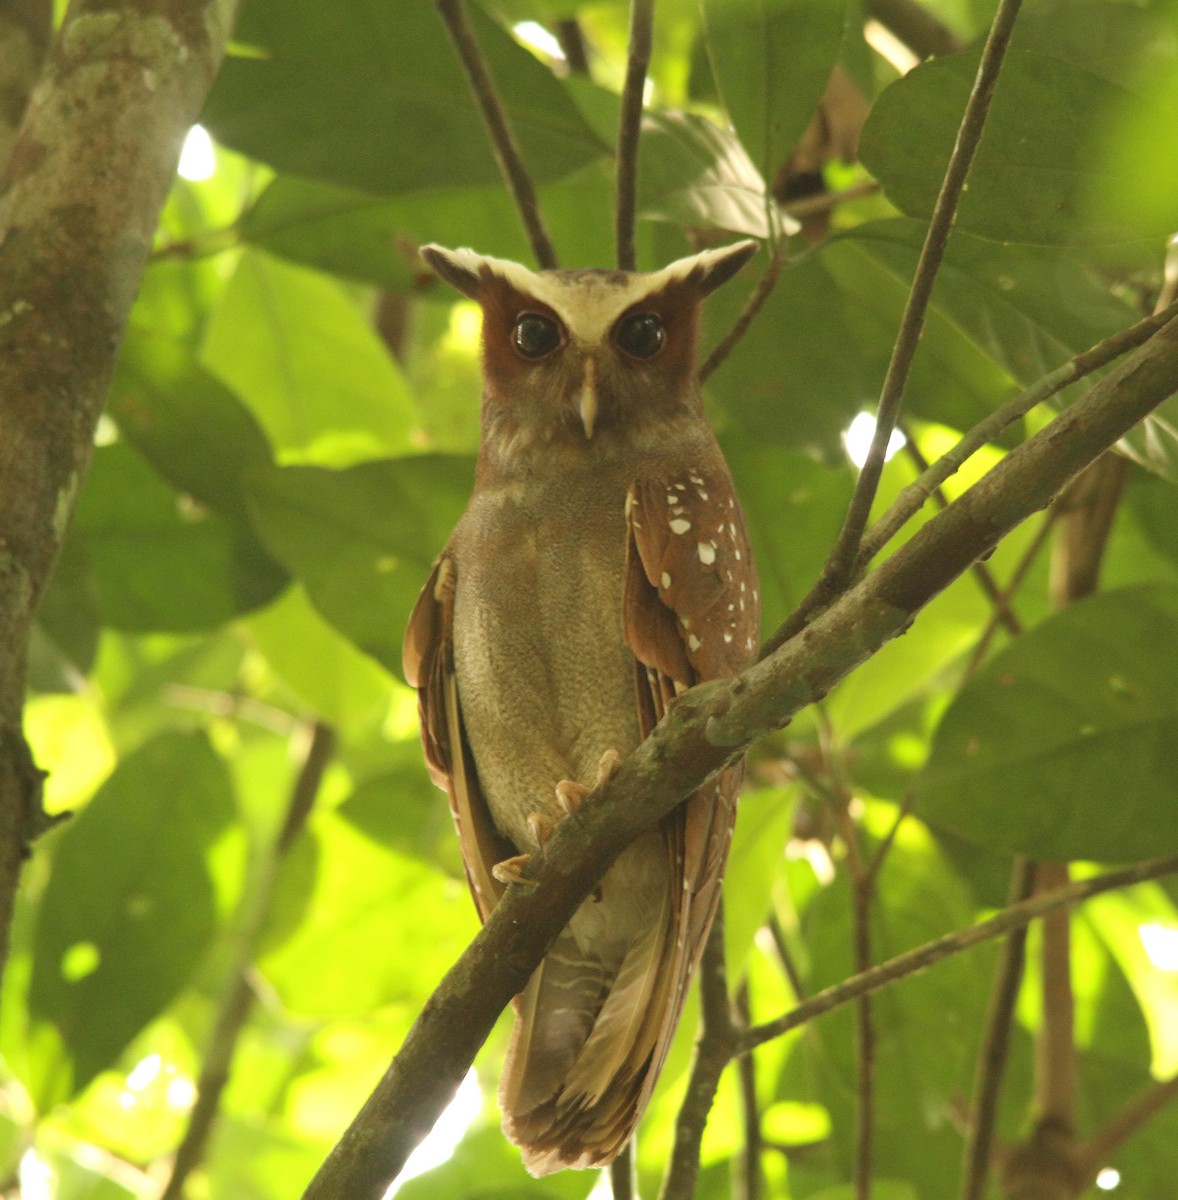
pixel 693 642
pixel 707 554
pixel 665 581
pixel 680 525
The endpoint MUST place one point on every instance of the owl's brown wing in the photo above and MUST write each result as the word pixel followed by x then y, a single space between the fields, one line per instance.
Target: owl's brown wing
pixel 690 613
pixel 428 660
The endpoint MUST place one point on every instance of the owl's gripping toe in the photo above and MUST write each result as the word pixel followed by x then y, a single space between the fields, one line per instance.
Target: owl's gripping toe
pixel 571 794
pixel 510 870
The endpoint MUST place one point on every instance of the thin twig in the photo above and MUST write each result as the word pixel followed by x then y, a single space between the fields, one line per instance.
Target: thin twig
pixel 571 37
pixel 913 961
pixel 862 894
pixel 840 566
pixel 717 1043
pixel 748 1177
pixel 979 1144
pixel 1106 1141
pixel 621 1174
pixel 1055 1041
pixel 753 305
pixel 1017 577
pixel 980 570
pixel 507 152
pixel 629 128
pixel 786 957
pixel 238 999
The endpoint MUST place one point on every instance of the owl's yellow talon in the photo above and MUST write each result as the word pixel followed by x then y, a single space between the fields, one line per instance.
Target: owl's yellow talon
pixel 541 827
pixel 607 768
pixel 570 795
pixel 510 870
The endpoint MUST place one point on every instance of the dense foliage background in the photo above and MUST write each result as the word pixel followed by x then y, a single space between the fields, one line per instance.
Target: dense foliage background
pixel 215 673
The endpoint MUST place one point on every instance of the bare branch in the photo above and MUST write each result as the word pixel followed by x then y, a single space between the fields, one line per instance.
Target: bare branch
pixel 507 152
pixel 637 63
pixel 572 44
pixel 912 962
pixel 621 1174
pixel 749 1179
pixel 841 564
pixel 979 1142
pixel 238 999
pixel 718 1038
pixel 707 728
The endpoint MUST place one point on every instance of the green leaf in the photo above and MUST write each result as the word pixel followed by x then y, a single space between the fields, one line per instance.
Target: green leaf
pixel 802 332
pixel 691 172
pixel 362 540
pixel 155 562
pixel 321 667
pixel 771 60
pixel 1063 746
pixel 129 907
pixel 342 894
pixel 1035 166
pixel 371 96
pixel 300 354
pixel 375 239
pixel 795 508
pixel 1027 308
pixel 191 428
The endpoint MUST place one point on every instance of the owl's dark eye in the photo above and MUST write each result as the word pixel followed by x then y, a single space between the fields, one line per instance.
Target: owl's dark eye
pixel 535 335
pixel 640 335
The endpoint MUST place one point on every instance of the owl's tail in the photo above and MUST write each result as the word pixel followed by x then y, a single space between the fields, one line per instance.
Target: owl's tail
pixel 587 1048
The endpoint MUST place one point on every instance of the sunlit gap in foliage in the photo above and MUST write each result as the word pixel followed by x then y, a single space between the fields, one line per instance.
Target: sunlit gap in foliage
pixel 1161 944
pixel 889 47
pixel 198 158
pixel 36 1177
pixel 602 1189
pixel 151 1079
pixel 858 435
pixel 449 1129
pixel 533 34
pixel 1108 1179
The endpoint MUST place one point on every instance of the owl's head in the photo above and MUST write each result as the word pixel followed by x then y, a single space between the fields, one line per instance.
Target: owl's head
pixel 570 356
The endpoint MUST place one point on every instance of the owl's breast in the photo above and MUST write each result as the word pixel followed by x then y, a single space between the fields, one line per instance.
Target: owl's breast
pixel 545 679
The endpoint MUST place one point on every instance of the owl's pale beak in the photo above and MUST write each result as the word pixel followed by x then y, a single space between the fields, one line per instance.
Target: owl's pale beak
pixel 587 401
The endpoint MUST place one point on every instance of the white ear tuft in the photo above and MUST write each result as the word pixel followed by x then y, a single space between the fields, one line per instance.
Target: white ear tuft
pixel 462 269
pixel 710 268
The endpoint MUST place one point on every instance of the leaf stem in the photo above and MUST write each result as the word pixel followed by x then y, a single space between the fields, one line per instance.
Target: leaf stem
pixel 494 114
pixel 629 129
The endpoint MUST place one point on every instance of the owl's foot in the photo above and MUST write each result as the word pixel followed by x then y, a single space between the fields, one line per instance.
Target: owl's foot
pixel 571 794
pixel 510 870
